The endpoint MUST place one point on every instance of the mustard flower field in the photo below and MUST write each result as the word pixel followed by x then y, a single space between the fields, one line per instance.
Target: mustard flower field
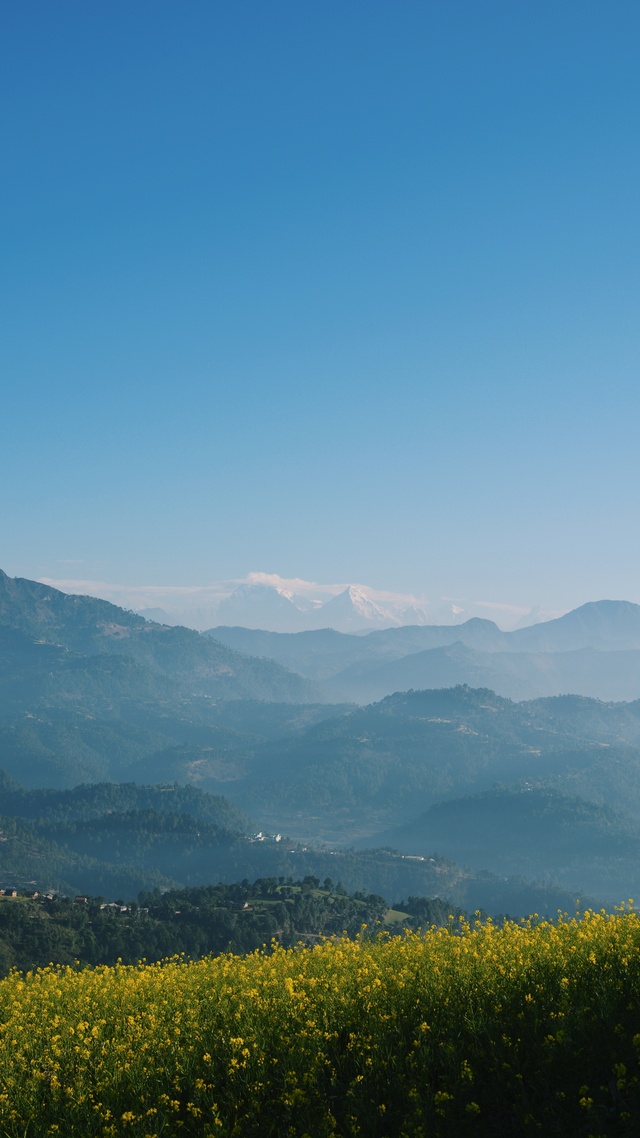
pixel 485 1030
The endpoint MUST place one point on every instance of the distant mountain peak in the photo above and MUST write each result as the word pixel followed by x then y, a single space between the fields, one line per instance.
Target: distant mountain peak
pixel 272 607
pixel 260 606
pixel 352 610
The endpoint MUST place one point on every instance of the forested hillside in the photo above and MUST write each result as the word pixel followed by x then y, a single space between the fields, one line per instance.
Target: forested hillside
pixel 119 840
pixel 239 917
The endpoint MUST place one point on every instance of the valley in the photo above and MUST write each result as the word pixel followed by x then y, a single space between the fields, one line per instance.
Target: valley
pixel 136 756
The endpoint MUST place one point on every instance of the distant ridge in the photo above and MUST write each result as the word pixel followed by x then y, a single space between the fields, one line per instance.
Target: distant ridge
pixel 593 650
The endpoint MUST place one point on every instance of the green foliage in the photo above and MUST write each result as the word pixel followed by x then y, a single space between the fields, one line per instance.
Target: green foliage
pixel 30 857
pixel 113 840
pixel 196 922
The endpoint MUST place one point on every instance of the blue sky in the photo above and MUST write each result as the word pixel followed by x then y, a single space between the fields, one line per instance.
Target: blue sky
pixel 339 291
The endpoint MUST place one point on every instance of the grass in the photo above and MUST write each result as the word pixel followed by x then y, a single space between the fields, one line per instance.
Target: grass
pixel 530 1028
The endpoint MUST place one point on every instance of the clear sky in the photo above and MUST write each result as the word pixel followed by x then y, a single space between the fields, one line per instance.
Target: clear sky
pixel 342 290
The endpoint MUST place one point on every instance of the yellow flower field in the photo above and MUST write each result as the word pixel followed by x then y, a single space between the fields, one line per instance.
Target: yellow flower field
pixel 529 1028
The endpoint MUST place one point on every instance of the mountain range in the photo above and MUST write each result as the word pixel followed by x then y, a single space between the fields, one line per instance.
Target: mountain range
pixel 351 610
pixel 548 788
pixel 281 604
pixel 593 650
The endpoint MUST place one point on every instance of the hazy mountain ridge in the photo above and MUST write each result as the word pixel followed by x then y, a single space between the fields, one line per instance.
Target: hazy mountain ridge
pixel 60 746
pixel 594 651
pixel 601 674
pixel 603 625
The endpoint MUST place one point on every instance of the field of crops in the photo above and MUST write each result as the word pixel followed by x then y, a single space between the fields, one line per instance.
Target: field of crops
pixel 531 1028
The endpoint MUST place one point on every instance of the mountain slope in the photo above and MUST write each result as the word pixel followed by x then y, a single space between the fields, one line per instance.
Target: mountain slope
pixel 88 627
pixel 116 840
pixel 61 743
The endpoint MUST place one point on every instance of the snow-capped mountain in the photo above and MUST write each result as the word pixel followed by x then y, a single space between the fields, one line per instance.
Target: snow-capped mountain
pixel 276 609
pixel 273 603
pixel 352 611
pixel 262 606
